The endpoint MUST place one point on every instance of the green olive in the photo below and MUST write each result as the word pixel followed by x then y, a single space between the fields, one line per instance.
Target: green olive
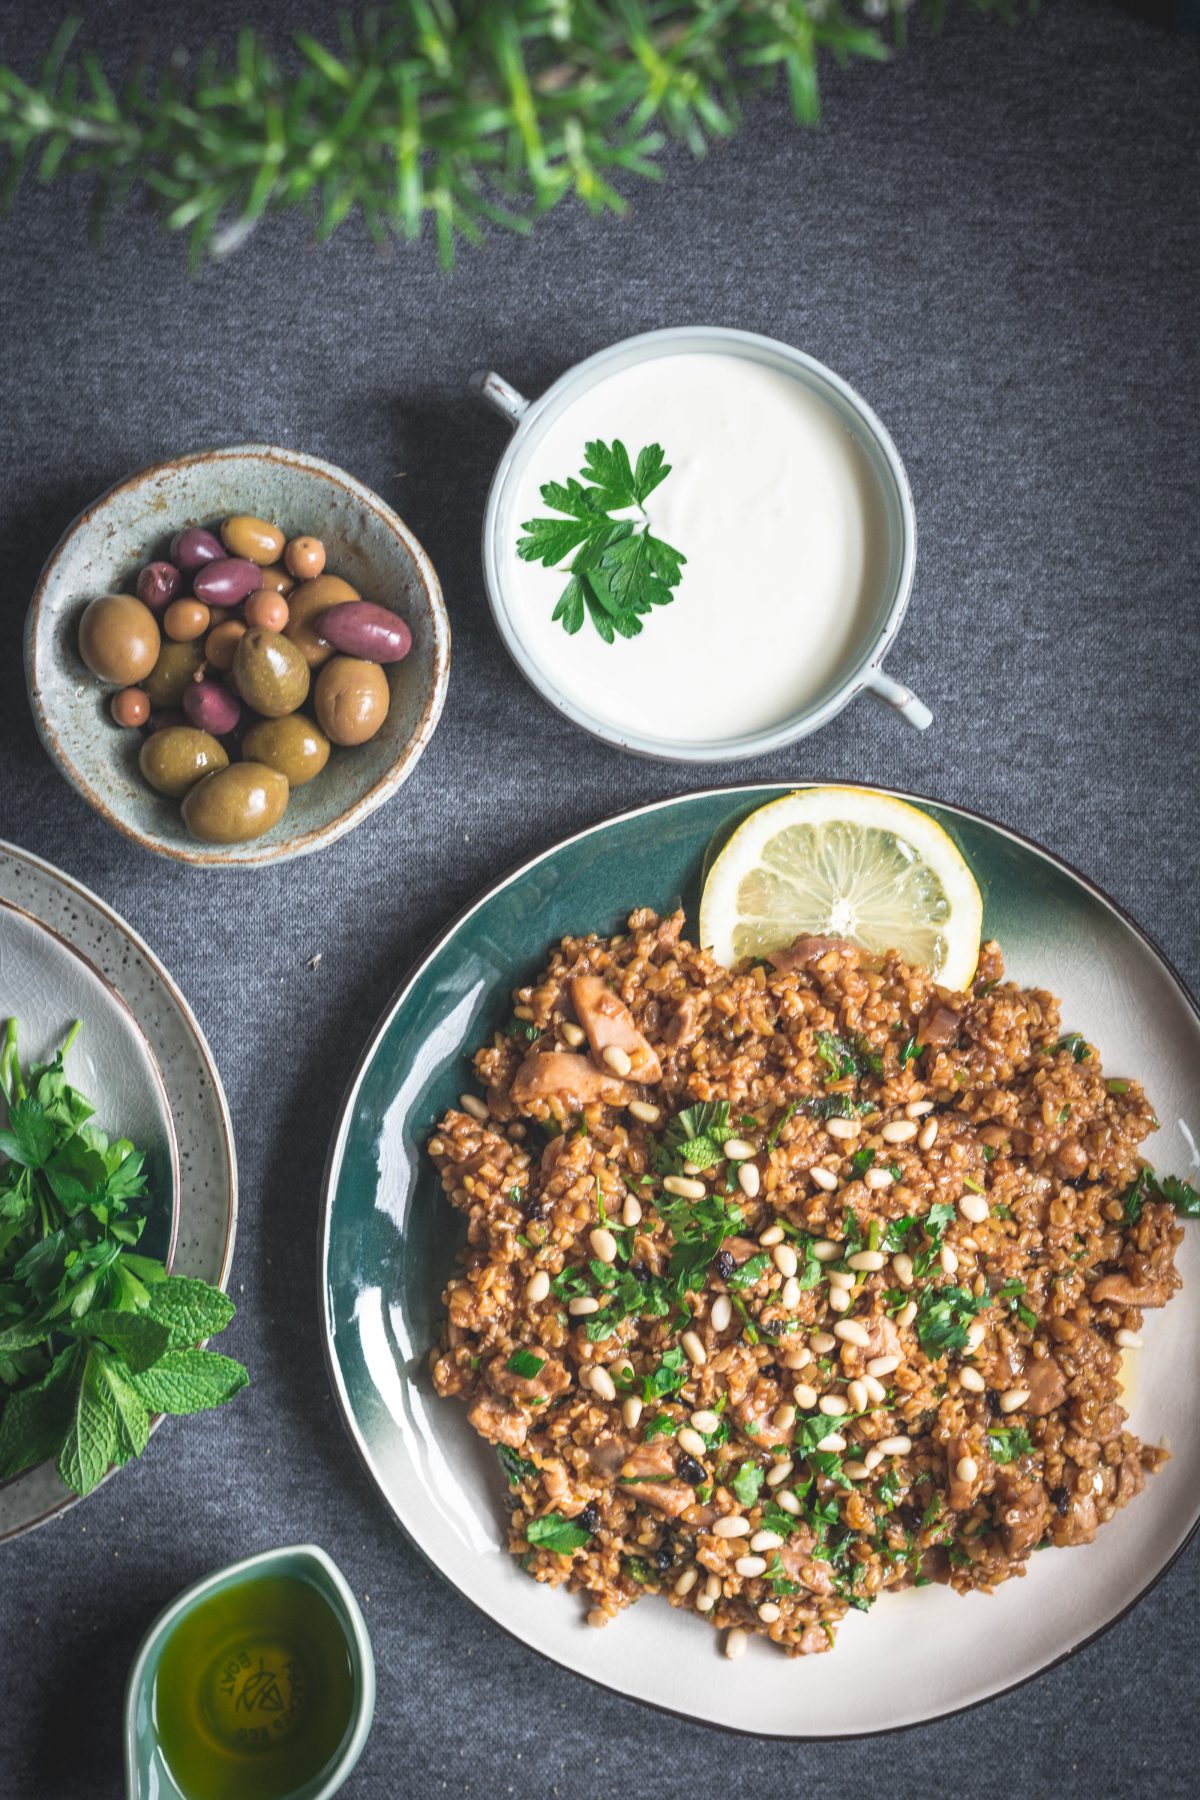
pixel 293 745
pixel 119 639
pixel 270 673
pixel 236 803
pixel 168 680
pixel 305 605
pixel 174 760
pixel 352 699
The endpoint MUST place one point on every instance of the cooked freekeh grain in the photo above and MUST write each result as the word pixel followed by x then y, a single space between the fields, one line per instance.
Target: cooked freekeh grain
pixel 789 1285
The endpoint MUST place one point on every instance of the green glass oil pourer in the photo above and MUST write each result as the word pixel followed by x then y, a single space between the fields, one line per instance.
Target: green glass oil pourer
pixel 257 1683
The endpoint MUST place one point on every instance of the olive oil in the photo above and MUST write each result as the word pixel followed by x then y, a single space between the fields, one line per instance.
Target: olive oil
pixel 254 1693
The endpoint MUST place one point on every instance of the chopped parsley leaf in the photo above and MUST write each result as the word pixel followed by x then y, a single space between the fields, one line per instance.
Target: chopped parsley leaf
pixel 525 1364
pixel 1073 1041
pixel 515 1467
pixel 943 1315
pixel 553 1532
pixel 747 1273
pixel 909 1052
pixel 747 1482
pixel 1005 1444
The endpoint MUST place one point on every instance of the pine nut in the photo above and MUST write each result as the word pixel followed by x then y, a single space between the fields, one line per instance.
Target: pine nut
pixel 631 1212
pixel 789 1294
pixel 1012 1400
pixel 804 1396
pixel 751 1565
pixel 694 1349
pixel 603 1384
pixel 833 1405
pixel 898 1131
pixel 948 1260
pixel 842 1128
pixel 737 1149
pixel 974 1208
pixel 692 1442
pixel 876 1392
pixel 471 1103
pixel 840 1300
pixel 784 1417
pixel 906 1315
pixel 1128 1340
pixel 841 1278
pixel 779 1472
pixel 436 1146
pixel 597 1619
pixel 966 1469
pixel 686 1582
pixel 691 1168
pixel 928 1135
pixel 798 1358
pixel 823 1342
pixel 851 1331
pixel 917 1109
pixel 584 1304
pixel 972 1380
pixel 538 1286
pixel 735 1643
pixel 855 1471
pixel 631 1412
pixel 749 1180
pixel 784 1258
pixel 771 1236
pixel 869 1261
pixel 604 1245
pixel 573 1034
pixel 705 1421
pixel 731 1525
pixel 824 1178
pixel 882 1365
pixel 856 1394
pixel 721 1312
pixel 825 1250
pixel 768 1612
pixel 873 1457
pixel 645 1111
pixel 975 1336
pixel 705 1603
pixel 617 1059
pixel 879 1178
pixel 712 1586
pixel 684 1187
pixel 902 1269
pixel 788 1501
pixel 833 1441
pixel 895 1446
pixel 622 1367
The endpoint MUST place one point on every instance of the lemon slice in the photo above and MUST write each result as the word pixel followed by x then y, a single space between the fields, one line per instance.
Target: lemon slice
pixel 848 863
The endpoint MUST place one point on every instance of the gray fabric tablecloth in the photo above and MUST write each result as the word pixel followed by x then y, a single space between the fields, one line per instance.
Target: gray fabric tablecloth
pixel 995 240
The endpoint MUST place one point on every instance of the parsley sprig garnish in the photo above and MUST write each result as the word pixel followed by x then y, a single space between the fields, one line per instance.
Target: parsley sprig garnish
pixel 619 570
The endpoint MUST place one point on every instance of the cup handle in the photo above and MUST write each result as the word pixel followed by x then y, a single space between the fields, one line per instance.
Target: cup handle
pixel 914 712
pixel 500 395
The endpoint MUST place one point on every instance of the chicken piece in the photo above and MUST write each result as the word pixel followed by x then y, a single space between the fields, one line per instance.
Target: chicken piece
pixel 814 1640
pixel 883 1337
pixel 755 1414
pixel 1126 1290
pixel 940 1027
pixel 1078 1524
pixel 642 1479
pixel 1024 1512
pixel 683 1024
pixel 806 952
pixel 797 1563
pixel 558 1075
pixel 1070 1160
pixel 551 1379
pixel 609 1024
pixel 1046 1383
pixel 498 1423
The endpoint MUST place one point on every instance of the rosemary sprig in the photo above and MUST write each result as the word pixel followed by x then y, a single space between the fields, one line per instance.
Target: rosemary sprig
pixel 484 113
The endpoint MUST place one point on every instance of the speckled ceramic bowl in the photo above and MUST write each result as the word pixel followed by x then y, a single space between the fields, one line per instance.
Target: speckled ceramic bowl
pixel 101 552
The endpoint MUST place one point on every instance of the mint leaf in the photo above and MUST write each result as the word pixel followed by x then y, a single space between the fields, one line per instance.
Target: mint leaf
pixel 92 1438
pixel 190 1310
pixel 189 1381
pixel 137 1338
pixel 133 1415
pixel 34 1421
pixel 553 1532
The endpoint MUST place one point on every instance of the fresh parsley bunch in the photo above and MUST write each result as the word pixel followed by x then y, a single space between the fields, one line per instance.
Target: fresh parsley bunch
pixel 94 1338
pixel 619 570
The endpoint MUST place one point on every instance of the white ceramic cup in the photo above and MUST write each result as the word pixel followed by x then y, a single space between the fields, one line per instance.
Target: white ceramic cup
pixel 862 670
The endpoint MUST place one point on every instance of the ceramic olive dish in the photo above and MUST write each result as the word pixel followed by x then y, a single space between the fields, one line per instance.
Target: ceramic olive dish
pixel 101 552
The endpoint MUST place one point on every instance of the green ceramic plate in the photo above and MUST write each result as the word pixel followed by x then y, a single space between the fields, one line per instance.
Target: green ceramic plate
pixel 389 1244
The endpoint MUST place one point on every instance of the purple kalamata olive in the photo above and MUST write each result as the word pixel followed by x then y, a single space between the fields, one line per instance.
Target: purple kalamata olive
pixel 192 548
pixel 157 585
pixel 371 633
pixel 211 707
pixel 226 583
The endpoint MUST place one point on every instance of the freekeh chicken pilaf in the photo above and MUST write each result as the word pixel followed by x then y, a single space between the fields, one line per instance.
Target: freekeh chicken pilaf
pixel 789 1285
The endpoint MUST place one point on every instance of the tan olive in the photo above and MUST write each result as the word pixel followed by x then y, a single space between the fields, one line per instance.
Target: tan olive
pixel 305 604
pixel 221 643
pixel 168 680
pixel 280 579
pixel 270 673
pixel 119 639
pixel 352 699
pixel 236 803
pixel 293 745
pixel 255 539
pixel 174 760
pixel 305 558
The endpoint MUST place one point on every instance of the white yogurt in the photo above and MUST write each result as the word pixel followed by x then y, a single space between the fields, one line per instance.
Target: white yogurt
pixel 781 518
